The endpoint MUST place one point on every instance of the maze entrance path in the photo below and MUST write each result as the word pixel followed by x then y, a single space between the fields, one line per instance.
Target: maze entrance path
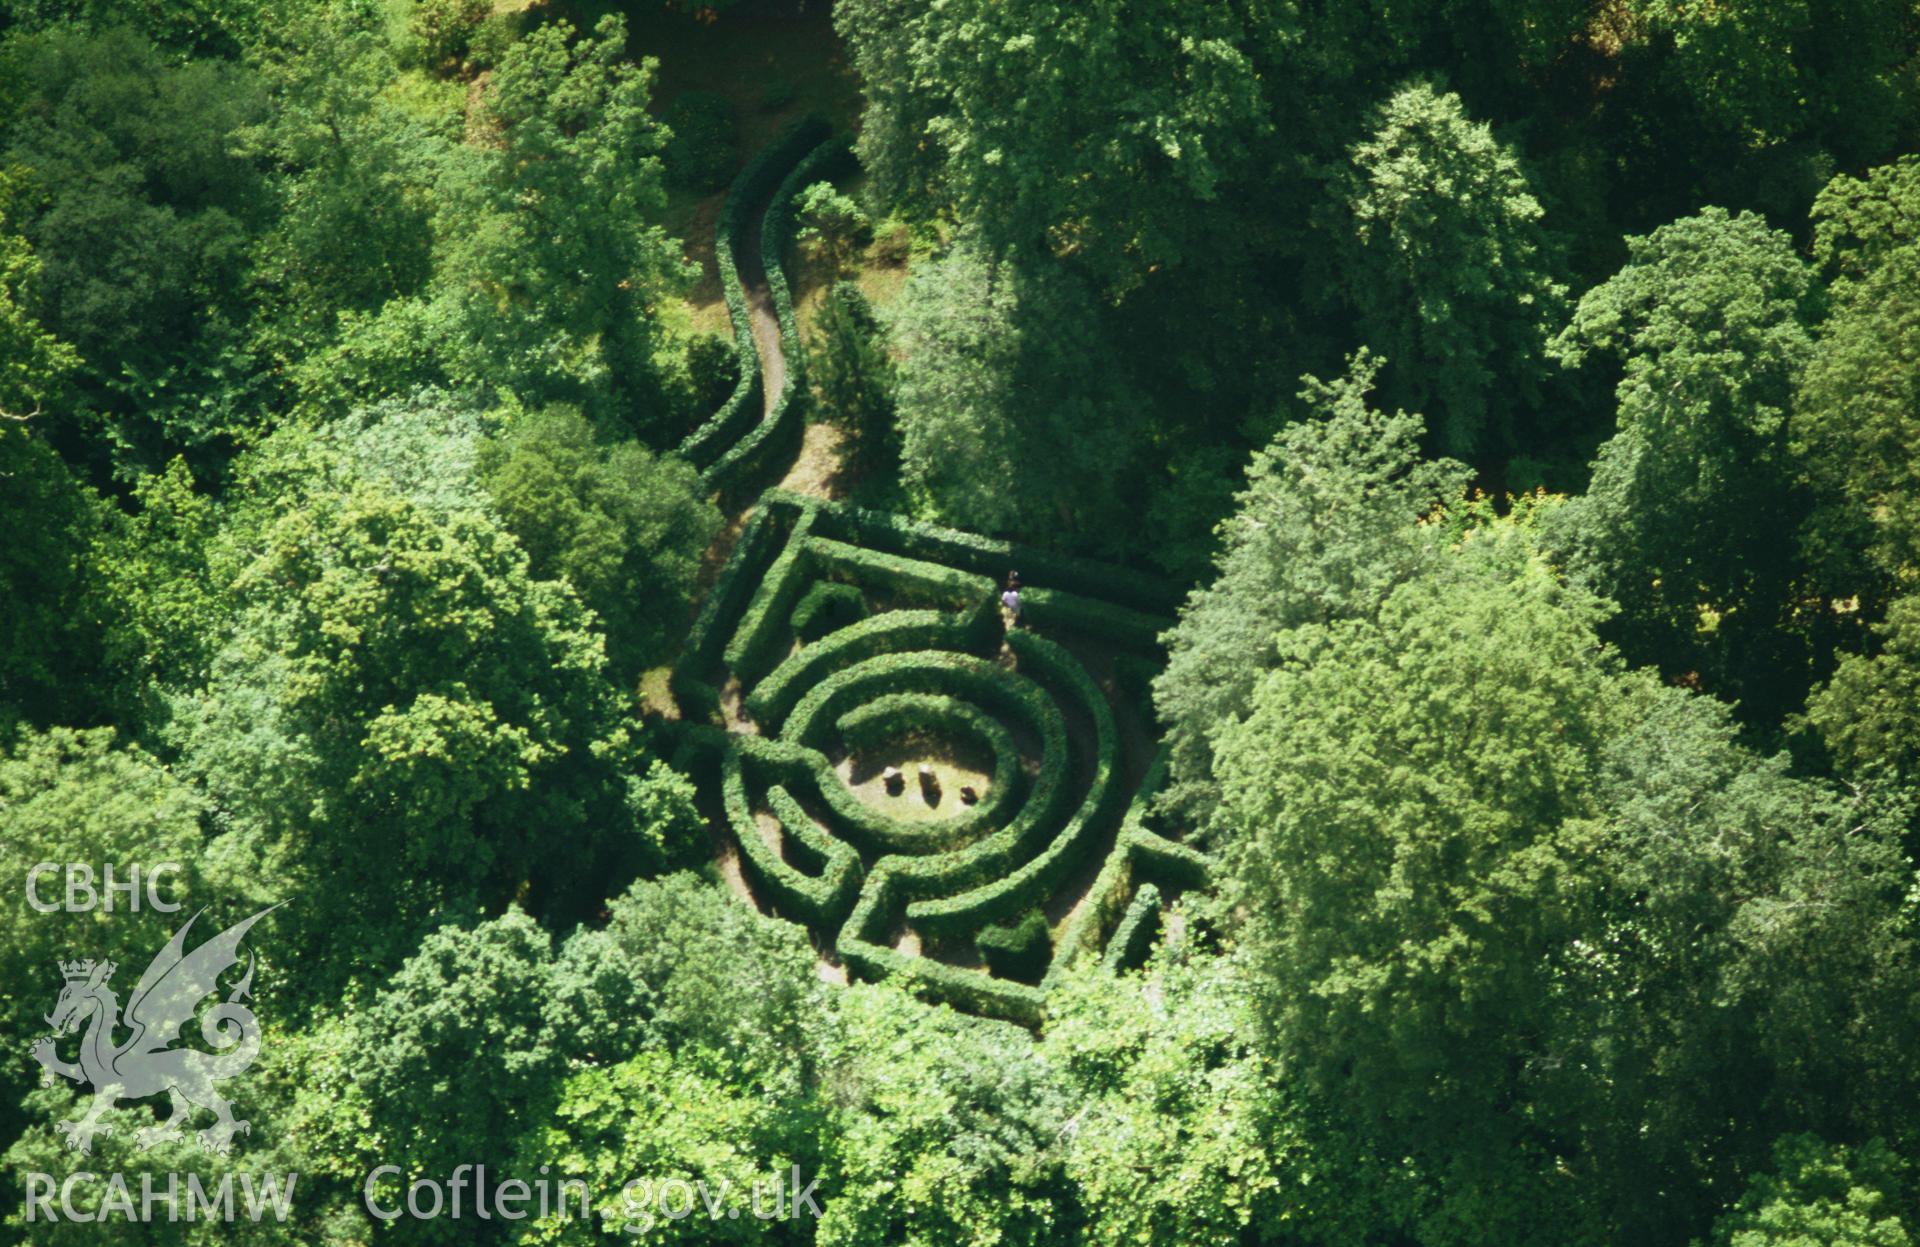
pixel 837 641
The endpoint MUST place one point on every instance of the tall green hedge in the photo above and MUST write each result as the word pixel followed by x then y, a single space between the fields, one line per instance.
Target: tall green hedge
pixel 825 607
pixel 1140 857
pixel 1071 612
pixel 993 557
pixel 1134 935
pixel 763 637
pixel 778 433
pixel 759 542
pixel 1018 950
pixel 888 633
pixel 816 898
pixel 756 182
pixel 908 577
pixel 862 945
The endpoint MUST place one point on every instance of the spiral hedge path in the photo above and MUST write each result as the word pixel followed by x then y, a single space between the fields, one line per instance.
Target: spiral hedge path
pixel 834 634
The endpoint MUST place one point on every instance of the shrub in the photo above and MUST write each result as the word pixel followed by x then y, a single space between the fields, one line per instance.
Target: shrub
pixel 777 94
pixel 827 607
pixel 443 28
pixel 831 226
pixel 492 37
pixel 928 671
pixel 855 379
pixel 813 570
pixel 703 148
pixel 1134 935
pixel 892 241
pixel 1019 951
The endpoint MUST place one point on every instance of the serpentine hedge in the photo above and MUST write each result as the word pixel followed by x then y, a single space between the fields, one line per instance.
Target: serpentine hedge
pixel 748 434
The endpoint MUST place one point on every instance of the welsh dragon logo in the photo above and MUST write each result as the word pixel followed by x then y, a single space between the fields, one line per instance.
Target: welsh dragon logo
pixel 144 1064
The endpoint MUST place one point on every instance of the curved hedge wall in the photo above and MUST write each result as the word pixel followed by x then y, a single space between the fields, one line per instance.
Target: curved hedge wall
pixel 897 715
pixel 778 433
pixel 823 896
pixel 1019 889
pixel 748 431
pixel 756 183
pixel 893 632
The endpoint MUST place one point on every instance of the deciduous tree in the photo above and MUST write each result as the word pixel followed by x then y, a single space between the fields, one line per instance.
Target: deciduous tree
pixel 1439 249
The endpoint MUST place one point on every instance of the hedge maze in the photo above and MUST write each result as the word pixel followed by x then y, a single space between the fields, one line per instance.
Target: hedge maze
pixel 837 639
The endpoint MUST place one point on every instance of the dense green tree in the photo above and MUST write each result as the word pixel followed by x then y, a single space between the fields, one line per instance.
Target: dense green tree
pixel 550 265
pixel 1184 1132
pixel 261 1168
pixel 157 567
pixel 49 622
pixel 640 1134
pixel 172 565
pixel 1767 72
pixel 401 719
pixel 138 201
pixel 1690 517
pixel 1102 132
pixel 1868 714
pixel 624 527
pixel 461 1049
pixel 1373 916
pixel 1821 1195
pixel 943 1130
pixel 1518 911
pixel 1490 42
pixel 79 797
pixel 683 964
pixel 353 224
pixel 1322 531
pixel 1439 250
pixel 1855 422
pixel 52 620
pixel 855 378
pixel 212 28
pixel 1014 415
pixel 34 364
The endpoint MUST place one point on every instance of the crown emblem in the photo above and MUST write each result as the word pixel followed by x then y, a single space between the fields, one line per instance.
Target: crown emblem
pixel 79 971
